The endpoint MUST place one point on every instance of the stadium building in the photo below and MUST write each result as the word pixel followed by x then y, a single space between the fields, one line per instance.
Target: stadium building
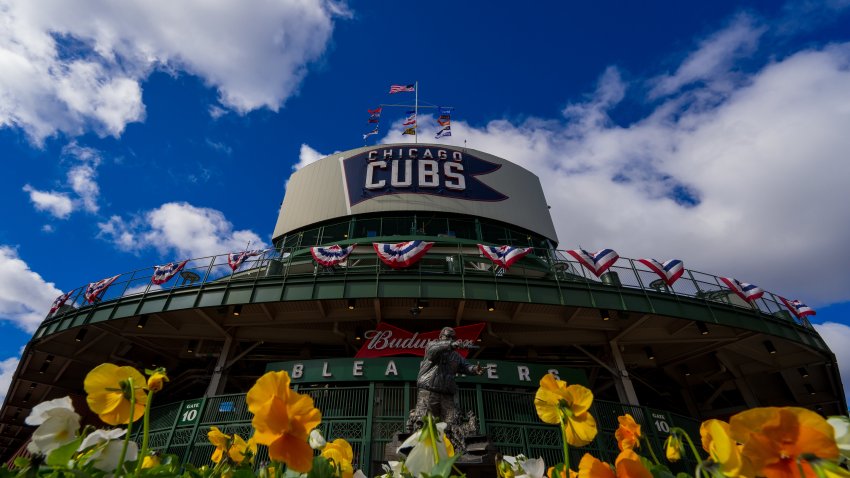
pixel 348 329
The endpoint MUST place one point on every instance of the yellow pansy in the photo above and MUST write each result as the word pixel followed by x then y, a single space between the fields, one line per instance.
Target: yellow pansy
pixel 628 433
pixel 156 380
pixel 592 467
pixel 235 447
pixel 780 442
pixel 150 461
pixel 557 403
pixel 108 393
pixel 283 420
pixel 673 447
pixel 339 451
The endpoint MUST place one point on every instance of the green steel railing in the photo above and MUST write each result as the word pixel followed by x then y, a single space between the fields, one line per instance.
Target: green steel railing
pixel 458 259
pixel 369 416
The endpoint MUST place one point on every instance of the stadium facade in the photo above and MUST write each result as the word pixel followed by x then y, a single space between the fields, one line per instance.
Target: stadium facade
pixel 670 355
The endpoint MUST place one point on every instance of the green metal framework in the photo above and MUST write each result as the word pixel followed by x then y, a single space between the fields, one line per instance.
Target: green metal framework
pixel 451 270
pixel 369 416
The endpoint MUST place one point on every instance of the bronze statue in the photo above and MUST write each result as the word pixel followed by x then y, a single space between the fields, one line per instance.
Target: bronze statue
pixel 437 390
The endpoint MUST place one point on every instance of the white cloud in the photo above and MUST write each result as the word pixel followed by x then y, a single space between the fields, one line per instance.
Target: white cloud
pixel 57 204
pixel 7 370
pixel 307 155
pixel 78 66
pixel 179 228
pixel 837 336
pixel 25 297
pixel 752 186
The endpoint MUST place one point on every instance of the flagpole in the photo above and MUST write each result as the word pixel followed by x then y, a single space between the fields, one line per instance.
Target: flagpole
pixel 416 113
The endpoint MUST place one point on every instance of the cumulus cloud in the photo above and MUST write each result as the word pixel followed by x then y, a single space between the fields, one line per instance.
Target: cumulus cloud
pixel 180 228
pixel 25 297
pixel 78 66
pixel 837 336
pixel 307 155
pixel 59 205
pixel 750 185
pixel 7 369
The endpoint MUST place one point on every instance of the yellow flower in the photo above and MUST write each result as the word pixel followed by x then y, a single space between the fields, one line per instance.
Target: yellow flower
pixel 591 467
pixel 155 381
pixel 555 472
pixel 150 461
pixel 235 447
pixel 781 442
pixel 673 447
pixel 283 420
pixel 108 390
pixel 450 449
pixel 628 434
pixel 557 403
pixel 339 451
pixel 720 446
pixel 628 465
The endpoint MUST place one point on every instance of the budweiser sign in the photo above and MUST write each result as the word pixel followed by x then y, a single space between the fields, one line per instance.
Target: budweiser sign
pixel 388 340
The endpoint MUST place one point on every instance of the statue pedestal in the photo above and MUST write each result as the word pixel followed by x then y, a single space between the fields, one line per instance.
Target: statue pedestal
pixel 479 461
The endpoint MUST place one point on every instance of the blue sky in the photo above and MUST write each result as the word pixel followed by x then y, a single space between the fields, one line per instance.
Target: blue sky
pixel 713 132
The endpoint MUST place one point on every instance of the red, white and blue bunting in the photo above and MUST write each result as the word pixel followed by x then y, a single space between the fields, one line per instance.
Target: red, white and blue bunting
pixel 598 262
pixel 96 289
pixel 402 254
pixel 798 308
pixel 331 255
pixel 669 271
pixel 235 259
pixel 748 292
pixel 504 256
pixel 162 274
pixel 60 301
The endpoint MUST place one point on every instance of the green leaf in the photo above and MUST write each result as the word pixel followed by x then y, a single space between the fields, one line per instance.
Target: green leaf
pixel 661 471
pixel 682 474
pixel 322 468
pixel 62 455
pixel 22 462
pixel 444 467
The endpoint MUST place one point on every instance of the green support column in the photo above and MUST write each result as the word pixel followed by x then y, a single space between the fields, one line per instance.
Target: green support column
pixel 479 404
pixel 366 462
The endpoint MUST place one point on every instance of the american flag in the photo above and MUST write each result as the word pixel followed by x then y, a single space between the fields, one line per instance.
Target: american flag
pixel 798 308
pixel 401 88
pixel 60 301
pixel 235 259
pixel 96 289
pixel 162 274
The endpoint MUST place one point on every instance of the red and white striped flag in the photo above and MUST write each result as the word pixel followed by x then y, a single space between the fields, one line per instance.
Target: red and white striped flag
pixel 401 88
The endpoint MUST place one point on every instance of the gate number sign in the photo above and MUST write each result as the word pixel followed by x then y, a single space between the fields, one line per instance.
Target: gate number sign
pixel 190 412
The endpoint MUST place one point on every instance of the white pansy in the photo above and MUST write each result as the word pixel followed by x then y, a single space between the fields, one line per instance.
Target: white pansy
pixel 107 448
pixel 57 422
pixel 421 457
pixel 317 441
pixel 533 468
pixel 359 474
pixel 841 429
pixel 392 469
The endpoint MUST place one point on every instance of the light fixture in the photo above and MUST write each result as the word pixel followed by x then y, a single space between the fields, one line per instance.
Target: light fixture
pixel 703 329
pixel 491 306
pixel 604 314
pixel 351 304
pixel 768 345
pixel 43 367
pixel 191 346
pixel 80 335
pixel 143 320
pixel 421 304
pixel 237 309
pixel 809 388
pixel 686 371
pixel 649 353
pixel 803 372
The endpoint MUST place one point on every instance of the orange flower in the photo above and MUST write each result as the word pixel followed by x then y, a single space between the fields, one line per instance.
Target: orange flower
pixel 628 465
pixel 283 420
pixel 781 441
pixel 628 434
pixel 591 467
pixel 108 393
pixel 235 447
pixel 557 403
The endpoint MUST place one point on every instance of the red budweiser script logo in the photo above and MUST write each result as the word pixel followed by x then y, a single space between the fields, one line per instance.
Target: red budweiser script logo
pixel 388 340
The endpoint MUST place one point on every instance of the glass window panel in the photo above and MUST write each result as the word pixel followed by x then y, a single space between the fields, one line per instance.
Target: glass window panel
pixel 335 233
pixel 462 229
pixel 367 227
pixel 397 226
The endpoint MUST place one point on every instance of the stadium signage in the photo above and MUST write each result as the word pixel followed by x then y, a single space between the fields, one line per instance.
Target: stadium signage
pixel 418 170
pixel 388 340
pixel 405 369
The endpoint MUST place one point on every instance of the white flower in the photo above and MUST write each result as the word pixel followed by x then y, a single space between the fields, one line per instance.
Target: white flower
pixel 392 469
pixel 421 457
pixel 533 468
pixel 107 448
pixel 359 474
pixel 841 429
pixel 57 422
pixel 317 441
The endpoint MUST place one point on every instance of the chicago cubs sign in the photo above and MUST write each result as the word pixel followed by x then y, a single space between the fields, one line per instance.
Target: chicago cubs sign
pixel 418 170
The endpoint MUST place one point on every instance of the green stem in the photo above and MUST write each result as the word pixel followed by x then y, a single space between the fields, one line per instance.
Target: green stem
pixel 120 466
pixel 651 451
pixel 432 429
pixel 683 433
pixel 145 433
pixel 566 448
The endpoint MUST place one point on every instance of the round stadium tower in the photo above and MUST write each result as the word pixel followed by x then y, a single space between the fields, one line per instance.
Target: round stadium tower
pixel 378 248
